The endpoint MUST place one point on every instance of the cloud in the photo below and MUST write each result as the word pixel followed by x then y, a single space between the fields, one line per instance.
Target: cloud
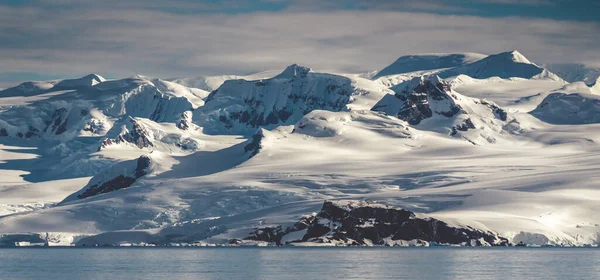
pixel 518 2
pixel 128 40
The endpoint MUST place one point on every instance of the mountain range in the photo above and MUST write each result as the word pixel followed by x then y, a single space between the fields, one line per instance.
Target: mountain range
pixel 466 149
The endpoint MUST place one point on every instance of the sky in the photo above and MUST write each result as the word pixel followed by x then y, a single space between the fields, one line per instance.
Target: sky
pixel 52 39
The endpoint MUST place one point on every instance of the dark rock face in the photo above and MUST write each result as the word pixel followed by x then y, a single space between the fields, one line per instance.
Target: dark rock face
pixel 362 223
pixel 10 240
pixel 3 132
pixel 500 113
pixel 254 145
pixel 32 132
pixel 417 98
pixel 468 124
pixel 119 182
pixel 184 122
pixel 477 121
pixel 138 136
pixel 58 124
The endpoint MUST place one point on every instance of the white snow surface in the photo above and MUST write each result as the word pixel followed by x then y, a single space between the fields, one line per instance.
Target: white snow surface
pixel 538 186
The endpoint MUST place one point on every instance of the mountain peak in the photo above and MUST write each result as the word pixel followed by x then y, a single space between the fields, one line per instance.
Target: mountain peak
pixel 89 80
pixel 423 62
pixel 511 64
pixel 513 55
pixel 96 77
pixel 293 71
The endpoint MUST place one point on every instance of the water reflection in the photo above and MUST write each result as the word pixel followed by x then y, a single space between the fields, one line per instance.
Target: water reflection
pixel 300 263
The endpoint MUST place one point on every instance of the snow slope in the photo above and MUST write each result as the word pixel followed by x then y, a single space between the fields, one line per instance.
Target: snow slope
pixel 201 181
pixel 210 83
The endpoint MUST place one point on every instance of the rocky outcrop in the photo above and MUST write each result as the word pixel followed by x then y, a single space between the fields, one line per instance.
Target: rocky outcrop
pixel 14 240
pixel 185 121
pixel 430 103
pixel 58 124
pixel 363 223
pixel 119 182
pixel 419 99
pixel 132 132
pixel 120 176
pixel 254 144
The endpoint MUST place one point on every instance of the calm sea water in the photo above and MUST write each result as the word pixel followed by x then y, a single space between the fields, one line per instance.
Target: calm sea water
pixel 300 263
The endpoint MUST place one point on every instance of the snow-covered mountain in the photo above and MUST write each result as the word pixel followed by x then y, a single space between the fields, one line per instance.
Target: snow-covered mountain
pixel 241 106
pixel 430 103
pixel 422 62
pixel 504 65
pixel 302 157
pixel 574 72
pixel 87 107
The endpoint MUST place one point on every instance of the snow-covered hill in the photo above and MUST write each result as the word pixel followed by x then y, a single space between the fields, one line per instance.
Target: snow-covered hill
pixel 281 157
pixel 569 108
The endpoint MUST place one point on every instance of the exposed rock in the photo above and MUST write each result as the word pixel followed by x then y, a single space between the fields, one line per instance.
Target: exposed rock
pixel 185 121
pixel 120 176
pixel 468 124
pixel 11 240
pixel 255 144
pixel 32 131
pixel 119 182
pixel 430 103
pixel 133 132
pixel 364 223
pixel 58 123
pixel 419 99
